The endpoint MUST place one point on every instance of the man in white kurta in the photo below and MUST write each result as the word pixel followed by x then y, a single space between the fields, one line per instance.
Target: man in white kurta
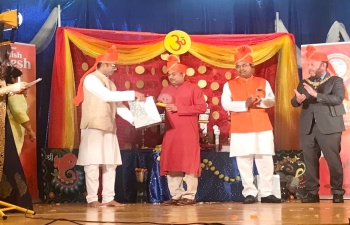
pixel 246 98
pixel 99 144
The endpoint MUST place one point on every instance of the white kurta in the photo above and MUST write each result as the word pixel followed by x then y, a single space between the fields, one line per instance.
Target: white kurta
pixel 242 144
pixel 101 147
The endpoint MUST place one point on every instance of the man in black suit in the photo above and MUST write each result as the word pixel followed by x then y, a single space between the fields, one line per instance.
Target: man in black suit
pixel 321 124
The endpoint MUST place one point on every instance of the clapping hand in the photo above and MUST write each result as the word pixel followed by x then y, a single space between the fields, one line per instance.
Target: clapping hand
pixel 300 97
pixel 258 100
pixel 252 101
pixel 310 90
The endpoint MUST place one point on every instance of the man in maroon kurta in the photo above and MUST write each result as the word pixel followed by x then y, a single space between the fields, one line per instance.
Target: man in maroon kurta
pixel 180 148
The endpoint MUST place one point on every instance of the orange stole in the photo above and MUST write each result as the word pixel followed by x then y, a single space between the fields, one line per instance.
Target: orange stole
pixel 255 119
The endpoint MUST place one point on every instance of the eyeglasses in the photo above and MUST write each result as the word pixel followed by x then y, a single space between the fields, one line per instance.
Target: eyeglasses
pixel 113 65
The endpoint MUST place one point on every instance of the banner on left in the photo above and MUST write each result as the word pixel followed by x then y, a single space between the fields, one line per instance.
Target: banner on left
pixel 23 56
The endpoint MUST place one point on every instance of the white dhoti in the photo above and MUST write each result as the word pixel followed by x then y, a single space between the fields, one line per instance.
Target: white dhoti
pixel 99 148
pixel 258 146
pixel 254 143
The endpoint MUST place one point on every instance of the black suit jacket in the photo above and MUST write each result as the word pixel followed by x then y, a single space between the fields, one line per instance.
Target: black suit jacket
pixel 327 108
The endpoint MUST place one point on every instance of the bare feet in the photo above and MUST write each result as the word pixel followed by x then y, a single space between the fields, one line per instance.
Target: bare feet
pixel 95 204
pixel 113 204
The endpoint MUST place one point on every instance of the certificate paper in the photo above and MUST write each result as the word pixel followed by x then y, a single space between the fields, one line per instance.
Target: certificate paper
pixel 145 113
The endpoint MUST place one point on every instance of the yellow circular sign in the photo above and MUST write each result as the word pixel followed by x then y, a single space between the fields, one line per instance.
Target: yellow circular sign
pixel 228 75
pixel 177 42
pixel 127 84
pixel 190 72
pixel 216 115
pixel 215 100
pixel 127 69
pixel 202 69
pixel 140 69
pixel 85 66
pixel 202 83
pixel 214 86
pixel 153 71
pixel 164 69
pixel 165 83
pixel 140 84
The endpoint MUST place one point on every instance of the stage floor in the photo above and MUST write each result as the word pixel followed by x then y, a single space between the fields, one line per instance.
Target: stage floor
pixel 202 213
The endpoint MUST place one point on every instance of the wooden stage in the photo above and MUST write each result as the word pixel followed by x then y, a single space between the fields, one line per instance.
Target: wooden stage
pixel 202 213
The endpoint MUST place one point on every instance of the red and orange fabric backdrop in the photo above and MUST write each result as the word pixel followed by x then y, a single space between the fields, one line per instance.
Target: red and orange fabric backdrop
pixel 274 55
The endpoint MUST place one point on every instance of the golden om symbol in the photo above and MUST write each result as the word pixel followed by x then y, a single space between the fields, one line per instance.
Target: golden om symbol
pixel 179 41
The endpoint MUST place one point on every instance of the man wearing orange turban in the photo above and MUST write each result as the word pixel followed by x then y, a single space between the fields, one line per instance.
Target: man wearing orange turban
pixel 180 148
pixel 246 98
pixel 321 124
pixel 99 144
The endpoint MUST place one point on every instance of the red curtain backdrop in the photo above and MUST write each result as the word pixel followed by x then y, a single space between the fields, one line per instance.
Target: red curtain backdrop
pixel 127 135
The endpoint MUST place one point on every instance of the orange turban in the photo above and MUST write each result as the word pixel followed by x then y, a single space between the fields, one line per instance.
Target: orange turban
pixel 318 56
pixel 243 54
pixel 110 57
pixel 174 64
pixel 312 54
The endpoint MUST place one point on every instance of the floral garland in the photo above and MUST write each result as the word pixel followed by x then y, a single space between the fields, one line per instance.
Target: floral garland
pixel 208 165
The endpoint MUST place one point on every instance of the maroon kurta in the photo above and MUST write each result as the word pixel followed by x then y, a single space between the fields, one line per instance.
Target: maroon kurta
pixel 180 147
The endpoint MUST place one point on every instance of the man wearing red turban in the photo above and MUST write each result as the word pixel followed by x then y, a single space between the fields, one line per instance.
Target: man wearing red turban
pixel 246 98
pixel 321 124
pixel 99 144
pixel 180 148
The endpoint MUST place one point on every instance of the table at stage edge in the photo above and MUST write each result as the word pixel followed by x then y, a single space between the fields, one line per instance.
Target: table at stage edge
pixel 219 181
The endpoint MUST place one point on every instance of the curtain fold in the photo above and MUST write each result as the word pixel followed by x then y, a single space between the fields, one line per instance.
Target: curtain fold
pixel 216 50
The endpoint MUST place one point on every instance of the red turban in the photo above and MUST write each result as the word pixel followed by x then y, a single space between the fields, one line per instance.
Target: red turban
pixel 243 54
pixel 174 64
pixel 109 57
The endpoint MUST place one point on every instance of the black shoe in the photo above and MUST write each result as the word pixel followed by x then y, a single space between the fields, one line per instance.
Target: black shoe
pixel 310 198
pixel 338 198
pixel 186 201
pixel 171 202
pixel 270 199
pixel 250 199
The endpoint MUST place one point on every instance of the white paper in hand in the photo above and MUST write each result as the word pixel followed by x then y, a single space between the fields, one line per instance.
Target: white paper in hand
pixel 33 82
pixel 145 113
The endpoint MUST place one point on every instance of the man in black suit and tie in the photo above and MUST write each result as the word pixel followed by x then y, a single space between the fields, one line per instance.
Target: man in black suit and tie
pixel 321 124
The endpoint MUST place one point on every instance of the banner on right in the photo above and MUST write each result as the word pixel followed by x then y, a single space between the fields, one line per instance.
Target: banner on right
pixel 339 57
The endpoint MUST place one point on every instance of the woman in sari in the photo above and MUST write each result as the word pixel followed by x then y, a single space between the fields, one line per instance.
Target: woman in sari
pixel 13 184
